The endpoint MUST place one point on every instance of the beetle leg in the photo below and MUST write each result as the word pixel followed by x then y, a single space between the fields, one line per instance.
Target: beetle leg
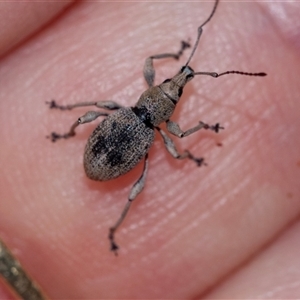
pixel 135 190
pixel 88 117
pixel 173 151
pixel 110 105
pixel 175 129
pixel 149 71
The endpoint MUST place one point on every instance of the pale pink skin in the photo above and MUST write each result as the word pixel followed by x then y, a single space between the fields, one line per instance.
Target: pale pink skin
pixel 228 230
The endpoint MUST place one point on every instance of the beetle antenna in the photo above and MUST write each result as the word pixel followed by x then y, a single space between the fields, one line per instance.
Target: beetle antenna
pixel 200 30
pixel 215 75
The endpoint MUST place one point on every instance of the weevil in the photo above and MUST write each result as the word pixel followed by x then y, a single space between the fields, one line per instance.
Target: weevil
pixel 124 137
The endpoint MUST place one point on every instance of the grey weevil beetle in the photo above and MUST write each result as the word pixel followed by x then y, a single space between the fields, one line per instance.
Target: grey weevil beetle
pixel 124 137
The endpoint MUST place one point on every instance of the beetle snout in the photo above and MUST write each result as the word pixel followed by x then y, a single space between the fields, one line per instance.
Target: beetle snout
pixel 188 72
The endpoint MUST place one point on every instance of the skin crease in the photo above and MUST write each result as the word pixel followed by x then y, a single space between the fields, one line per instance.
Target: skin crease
pixel 193 232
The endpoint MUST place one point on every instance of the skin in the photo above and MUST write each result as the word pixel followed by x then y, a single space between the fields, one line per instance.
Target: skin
pixel 228 230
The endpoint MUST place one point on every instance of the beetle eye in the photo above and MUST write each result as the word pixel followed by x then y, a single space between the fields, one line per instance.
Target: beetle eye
pixel 167 80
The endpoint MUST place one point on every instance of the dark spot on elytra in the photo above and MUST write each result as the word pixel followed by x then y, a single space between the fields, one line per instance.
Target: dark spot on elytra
pixel 114 146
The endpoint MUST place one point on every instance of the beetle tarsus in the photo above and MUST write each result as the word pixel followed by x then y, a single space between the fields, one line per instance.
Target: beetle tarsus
pixel 216 128
pixel 113 246
pixel 55 136
pixel 53 105
pixel 184 45
pixel 198 160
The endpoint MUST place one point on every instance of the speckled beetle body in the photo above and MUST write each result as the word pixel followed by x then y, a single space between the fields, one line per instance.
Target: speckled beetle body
pixel 124 137
pixel 117 145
